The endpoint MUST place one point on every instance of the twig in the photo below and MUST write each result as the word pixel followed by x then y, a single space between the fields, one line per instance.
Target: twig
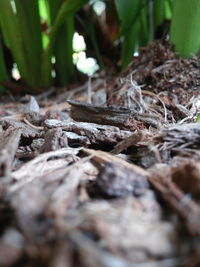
pixel 33 126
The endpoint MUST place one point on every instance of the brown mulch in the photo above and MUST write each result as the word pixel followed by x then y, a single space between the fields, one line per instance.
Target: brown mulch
pixel 114 182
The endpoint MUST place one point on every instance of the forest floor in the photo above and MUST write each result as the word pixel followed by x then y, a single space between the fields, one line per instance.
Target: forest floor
pixel 106 174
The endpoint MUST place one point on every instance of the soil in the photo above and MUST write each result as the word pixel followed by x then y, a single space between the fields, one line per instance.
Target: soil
pixel 105 177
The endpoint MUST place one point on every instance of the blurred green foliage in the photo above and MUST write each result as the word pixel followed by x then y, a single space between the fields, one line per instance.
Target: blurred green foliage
pixel 37 35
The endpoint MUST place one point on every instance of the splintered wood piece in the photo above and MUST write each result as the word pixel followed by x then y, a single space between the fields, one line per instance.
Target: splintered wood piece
pixel 186 208
pixel 40 165
pixel 52 192
pixel 116 116
pixel 104 157
pixel 94 133
pixel 9 141
pixel 26 130
pixel 66 193
pixel 113 115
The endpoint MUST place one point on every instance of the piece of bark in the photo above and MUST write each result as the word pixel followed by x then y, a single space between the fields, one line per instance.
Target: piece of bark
pixel 186 208
pixel 100 157
pixel 41 165
pixel 116 116
pixel 76 139
pixel 54 139
pixel 9 142
pixel 65 195
pixel 95 133
pixel 178 140
pixel 26 130
pixel 129 141
pixel 28 203
pixel 28 151
pixel 118 181
pixel 121 117
pixel 51 193
pixel 145 155
pixel 186 135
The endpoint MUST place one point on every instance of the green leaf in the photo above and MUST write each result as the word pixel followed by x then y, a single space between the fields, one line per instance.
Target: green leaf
pixel 128 11
pixel 63 50
pixel 129 44
pixel 68 8
pixel 158 12
pixel 30 29
pixel 185 27
pixel 3 71
pixel 11 33
pixel 144 29
pixel 22 33
pixel 43 8
pixel 168 8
